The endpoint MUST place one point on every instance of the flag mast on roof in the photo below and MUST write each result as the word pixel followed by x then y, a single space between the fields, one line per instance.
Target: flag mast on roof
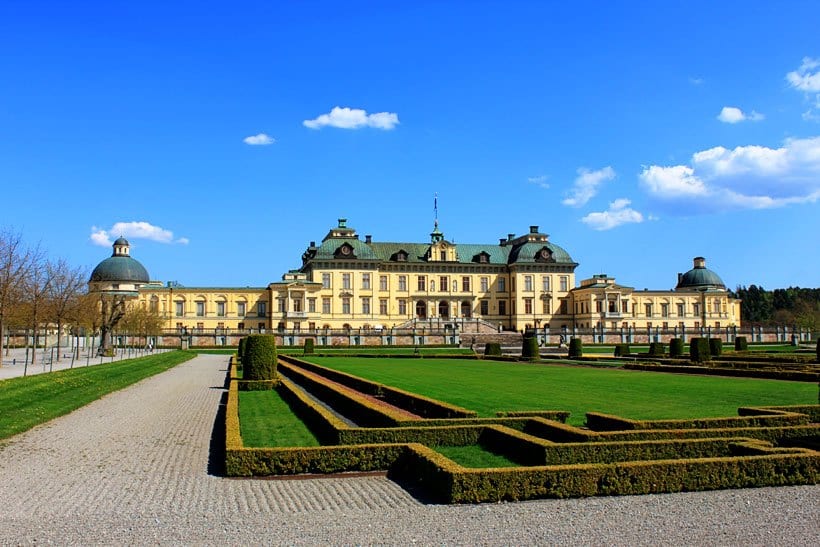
pixel 436 236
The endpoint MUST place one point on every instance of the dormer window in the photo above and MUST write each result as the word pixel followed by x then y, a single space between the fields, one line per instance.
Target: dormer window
pixel 544 255
pixel 400 256
pixel 482 258
pixel 345 251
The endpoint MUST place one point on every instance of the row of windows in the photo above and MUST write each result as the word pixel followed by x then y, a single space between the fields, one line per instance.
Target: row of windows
pixel 221 308
pixel 649 308
pixel 444 283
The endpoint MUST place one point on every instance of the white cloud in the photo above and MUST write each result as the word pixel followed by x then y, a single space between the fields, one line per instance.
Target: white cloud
pixel 746 177
pixel 260 139
pixel 806 78
pixel 695 81
pixel 353 118
pixel 586 185
pixel 134 230
pixel 732 114
pixel 540 180
pixel 619 213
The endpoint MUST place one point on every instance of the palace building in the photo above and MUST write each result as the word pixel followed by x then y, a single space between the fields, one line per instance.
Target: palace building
pixel 525 281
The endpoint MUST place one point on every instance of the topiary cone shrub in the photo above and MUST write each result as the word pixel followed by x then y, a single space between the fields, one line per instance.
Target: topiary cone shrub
pixel 818 350
pixel 699 350
pixel 676 347
pixel 741 343
pixel 576 347
pixel 529 350
pixel 656 349
pixel 259 362
pixel 715 347
pixel 492 349
pixel 308 346
pixel 621 350
pixel 240 350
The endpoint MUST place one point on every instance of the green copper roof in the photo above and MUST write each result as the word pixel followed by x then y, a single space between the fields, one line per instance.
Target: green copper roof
pixel 700 277
pixel 120 268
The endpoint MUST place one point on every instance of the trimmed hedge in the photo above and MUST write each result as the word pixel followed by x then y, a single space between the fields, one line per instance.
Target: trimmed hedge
pixel 715 347
pixel 621 350
pixel 308 346
pixel 656 349
pixel 676 347
pixel 773 374
pixel 817 351
pixel 529 348
pixel 699 350
pixel 741 344
pixel 492 349
pixel 752 418
pixel 576 347
pixel 259 359
pixel 240 350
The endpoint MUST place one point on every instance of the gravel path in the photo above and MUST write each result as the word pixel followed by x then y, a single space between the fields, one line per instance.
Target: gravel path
pixel 133 468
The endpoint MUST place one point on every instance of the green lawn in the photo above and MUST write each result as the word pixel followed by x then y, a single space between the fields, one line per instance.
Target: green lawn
pixel 32 400
pixel 266 420
pixel 474 456
pixel 488 387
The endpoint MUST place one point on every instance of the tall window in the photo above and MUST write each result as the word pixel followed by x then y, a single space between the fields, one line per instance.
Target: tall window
pixel 528 283
pixel 240 309
pixel 281 303
pixel 696 309
pixel 681 310
pixel 528 305
pixel 366 305
pixel 502 307
pixel 648 310
pixel 345 280
pixel 200 309
pixel 665 310
pixel 154 305
pixel 545 283
pixel 180 308
pixel 346 305
pixel 717 306
pixel 402 282
pixel 465 284
pixel 382 306
pixel 564 283
pixel 402 307
pixel 326 305
pixel 502 284
pixel 422 282
pixel 466 310
pixel 311 305
pixel 365 280
pixel 484 307
pixel 443 283
pixel 442 255
pixel 297 304
pixel 383 283
pixel 220 309
pixel 545 306
pixel 485 284
pixel 325 280
pixel 261 309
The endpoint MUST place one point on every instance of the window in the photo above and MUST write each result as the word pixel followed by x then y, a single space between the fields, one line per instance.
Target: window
pixel 312 326
pixel 402 307
pixel 402 282
pixel 564 283
pixel 466 310
pixel 311 305
pixel 613 306
pixel 200 326
pixel 696 309
pixel 261 309
pixel 345 280
pixel 326 305
pixel 665 326
pixel 180 308
pixel 545 283
pixel 484 307
pixel 383 283
pixel 365 280
pixel 240 326
pixel 220 309
pixel 465 284
pixel 383 306
pixel 528 283
pixel 240 309
pixel 366 305
pixel 624 306
pixel 664 310
pixel 717 306
pixel 200 309
pixel 297 326
pixel 485 284
pixel 421 283
pixel 546 306
pixel 598 306
pixel 528 305
pixel 442 256
pixel 346 305
pixel 442 283
pixel 502 284
pixel 297 304
pixel 154 305
pixel 681 310
pixel 502 307
pixel 325 280
pixel 647 310
pixel 280 302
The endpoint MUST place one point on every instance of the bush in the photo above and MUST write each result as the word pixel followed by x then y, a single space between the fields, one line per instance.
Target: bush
pixel 818 350
pixel 699 350
pixel 676 347
pixel 259 359
pixel 308 346
pixel 240 351
pixel 741 343
pixel 656 349
pixel 715 347
pixel 492 349
pixel 576 347
pixel 530 348
pixel 621 350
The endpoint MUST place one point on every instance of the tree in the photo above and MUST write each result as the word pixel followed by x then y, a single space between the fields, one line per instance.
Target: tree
pixel 141 322
pixel 15 262
pixel 36 289
pixel 113 308
pixel 63 294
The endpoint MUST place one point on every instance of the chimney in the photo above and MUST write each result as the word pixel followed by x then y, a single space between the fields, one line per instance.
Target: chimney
pixel 312 244
pixel 342 223
pixel 533 229
pixel 502 241
pixel 368 239
pixel 510 237
pixel 700 262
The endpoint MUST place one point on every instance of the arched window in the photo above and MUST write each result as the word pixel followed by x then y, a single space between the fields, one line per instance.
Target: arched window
pixel 466 309
pixel 444 309
pixel 421 309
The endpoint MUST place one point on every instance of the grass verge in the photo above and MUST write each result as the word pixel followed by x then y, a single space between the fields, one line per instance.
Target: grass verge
pixel 267 420
pixel 474 456
pixel 32 400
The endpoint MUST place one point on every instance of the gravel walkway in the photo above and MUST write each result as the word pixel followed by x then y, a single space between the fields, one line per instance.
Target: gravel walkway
pixel 133 468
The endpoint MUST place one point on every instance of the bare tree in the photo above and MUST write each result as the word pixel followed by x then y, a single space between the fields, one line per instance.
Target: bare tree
pixel 16 261
pixel 63 294
pixel 142 322
pixel 112 309
pixel 36 289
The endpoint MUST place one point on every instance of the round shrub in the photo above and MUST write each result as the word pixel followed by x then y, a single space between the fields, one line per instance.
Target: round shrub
pixel 676 347
pixel 576 347
pixel 259 361
pixel 699 350
pixel 529 350
pixel 715 347
pixel 741 343
pixel 308 346
pixel 492 349
pixel 621 350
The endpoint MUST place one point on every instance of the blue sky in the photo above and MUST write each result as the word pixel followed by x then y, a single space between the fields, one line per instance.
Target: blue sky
pixel 221 138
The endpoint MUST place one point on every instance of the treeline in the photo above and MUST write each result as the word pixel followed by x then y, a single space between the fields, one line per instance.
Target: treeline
pixel 791 306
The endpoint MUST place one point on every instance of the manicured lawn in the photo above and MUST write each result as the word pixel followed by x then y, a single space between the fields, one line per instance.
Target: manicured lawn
pixel 488 387
pixel 474 456
pixel 266 420
pixel 32 400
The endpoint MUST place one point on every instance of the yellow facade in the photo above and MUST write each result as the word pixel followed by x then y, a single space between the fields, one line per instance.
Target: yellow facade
pixel 349 283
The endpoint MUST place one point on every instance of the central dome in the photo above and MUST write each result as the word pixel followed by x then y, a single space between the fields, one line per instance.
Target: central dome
pixel 120 267
pixel 700 277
